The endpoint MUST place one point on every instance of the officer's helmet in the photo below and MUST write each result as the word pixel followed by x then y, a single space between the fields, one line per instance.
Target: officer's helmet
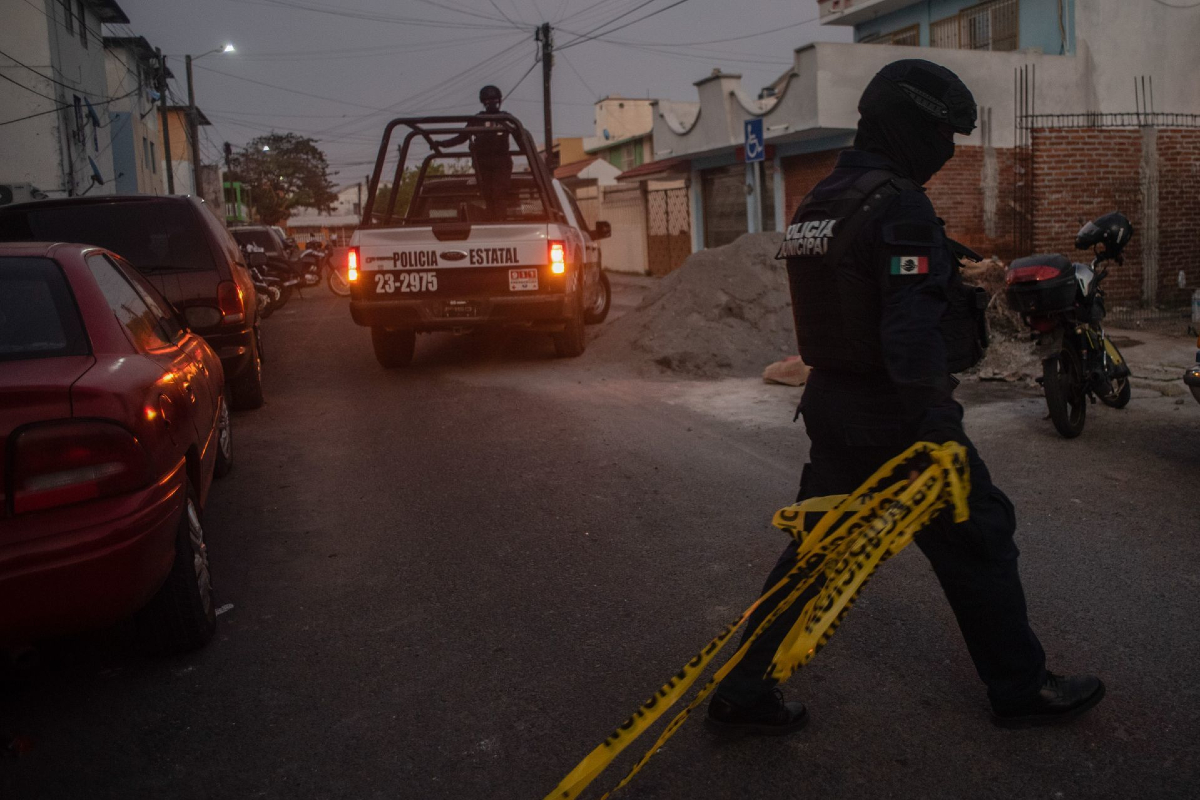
pixel 936 91
pixel 490 97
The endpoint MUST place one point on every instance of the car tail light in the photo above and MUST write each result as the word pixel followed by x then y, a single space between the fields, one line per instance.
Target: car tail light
pixel 231 302
pixel 558 258
pixel 352 264
pixel 70 462
pixel 1029 274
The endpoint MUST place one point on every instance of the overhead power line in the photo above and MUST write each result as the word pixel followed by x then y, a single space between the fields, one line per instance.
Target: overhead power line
pixel 419 22
pixel 586 38
pixel 286 89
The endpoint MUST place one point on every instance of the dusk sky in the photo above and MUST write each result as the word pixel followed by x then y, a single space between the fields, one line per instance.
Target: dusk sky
pixel 350 66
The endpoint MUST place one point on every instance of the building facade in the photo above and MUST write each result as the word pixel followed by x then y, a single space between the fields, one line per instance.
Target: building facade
pixel 336 225
pixel 136 136
pixel 175 130
pixel 55 99
pixel 1034 66
pixel 624 132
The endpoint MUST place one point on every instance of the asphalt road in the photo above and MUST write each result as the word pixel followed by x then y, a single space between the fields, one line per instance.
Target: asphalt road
pixel 454 581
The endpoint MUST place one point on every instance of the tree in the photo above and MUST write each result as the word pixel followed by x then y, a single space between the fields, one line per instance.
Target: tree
pixel 283 171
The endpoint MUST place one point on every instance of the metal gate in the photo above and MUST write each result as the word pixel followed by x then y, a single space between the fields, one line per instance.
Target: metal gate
pixel 623 206
pixel 669 236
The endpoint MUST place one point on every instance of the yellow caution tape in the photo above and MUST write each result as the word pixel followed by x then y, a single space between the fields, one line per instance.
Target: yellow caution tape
pixel 854 534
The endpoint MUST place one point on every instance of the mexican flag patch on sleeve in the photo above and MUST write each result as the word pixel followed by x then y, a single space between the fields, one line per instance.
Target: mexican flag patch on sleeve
pixel 910 265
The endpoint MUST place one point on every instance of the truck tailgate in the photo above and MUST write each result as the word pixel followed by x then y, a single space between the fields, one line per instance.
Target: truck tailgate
pixel 488 261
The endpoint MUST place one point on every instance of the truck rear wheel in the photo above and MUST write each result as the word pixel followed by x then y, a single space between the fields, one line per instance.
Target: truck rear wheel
pixel 571 341
pixel 393 349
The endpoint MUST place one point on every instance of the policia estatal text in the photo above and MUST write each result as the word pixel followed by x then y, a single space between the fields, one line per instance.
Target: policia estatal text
pixel 883 318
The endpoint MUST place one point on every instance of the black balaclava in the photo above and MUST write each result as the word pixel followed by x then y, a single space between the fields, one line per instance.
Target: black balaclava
pixel 909 113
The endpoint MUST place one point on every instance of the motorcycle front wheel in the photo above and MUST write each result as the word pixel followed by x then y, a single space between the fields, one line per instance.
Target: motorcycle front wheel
pixel 1062 380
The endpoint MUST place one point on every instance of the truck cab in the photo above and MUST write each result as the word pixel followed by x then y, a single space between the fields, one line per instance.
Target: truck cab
pixel 451 244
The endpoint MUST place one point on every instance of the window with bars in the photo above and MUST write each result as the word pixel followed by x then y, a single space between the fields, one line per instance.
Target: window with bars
pixel 905 37
pixel 82 23
pixel 988 26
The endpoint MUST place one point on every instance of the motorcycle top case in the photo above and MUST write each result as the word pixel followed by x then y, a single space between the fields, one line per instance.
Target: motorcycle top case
pixel 1041 284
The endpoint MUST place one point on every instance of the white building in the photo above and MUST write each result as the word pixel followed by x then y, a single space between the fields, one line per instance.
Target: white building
pixel 341 221
pixel 1076 56
pixel 54 103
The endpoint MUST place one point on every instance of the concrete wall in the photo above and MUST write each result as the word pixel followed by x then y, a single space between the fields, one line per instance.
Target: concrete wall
pixel 1120 40
pixel 30 150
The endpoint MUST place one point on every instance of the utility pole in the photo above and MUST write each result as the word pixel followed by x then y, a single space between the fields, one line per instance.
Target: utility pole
pixel 194 129
pixel 166 121
pixel 545 36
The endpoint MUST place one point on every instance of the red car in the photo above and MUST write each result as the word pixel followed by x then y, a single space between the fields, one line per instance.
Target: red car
pixel 113 422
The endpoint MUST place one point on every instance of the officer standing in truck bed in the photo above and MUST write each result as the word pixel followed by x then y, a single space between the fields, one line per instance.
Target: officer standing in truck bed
pixel 883 318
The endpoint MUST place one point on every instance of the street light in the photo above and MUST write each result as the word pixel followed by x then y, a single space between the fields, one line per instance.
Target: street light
pixel 193 116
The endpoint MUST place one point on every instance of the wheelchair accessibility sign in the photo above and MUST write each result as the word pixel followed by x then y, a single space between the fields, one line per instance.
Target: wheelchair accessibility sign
pixel 756 149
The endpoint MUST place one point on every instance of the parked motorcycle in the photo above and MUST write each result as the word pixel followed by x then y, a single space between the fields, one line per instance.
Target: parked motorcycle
pixel 313 261
pixel 1191 377
pixel 271 289
pixel 1064 305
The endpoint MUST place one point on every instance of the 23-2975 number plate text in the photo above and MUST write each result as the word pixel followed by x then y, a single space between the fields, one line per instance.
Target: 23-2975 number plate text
pixel 405 282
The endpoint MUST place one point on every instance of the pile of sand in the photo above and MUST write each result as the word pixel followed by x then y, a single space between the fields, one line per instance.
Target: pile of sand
pixel 726 311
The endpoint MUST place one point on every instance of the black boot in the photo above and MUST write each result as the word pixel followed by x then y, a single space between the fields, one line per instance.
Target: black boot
pixel 1061 699
pixel 773 716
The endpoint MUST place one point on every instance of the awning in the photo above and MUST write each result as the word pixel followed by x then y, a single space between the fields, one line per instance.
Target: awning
pixel 574 168
pixel 655 169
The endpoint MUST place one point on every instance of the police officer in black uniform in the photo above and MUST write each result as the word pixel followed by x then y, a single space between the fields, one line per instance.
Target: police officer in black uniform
pixel 490 154
pixel 883 318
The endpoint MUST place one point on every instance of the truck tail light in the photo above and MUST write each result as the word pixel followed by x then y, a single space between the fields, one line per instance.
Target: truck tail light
pixel 231 302
pixel 558 258
pixel 71 462
pixel 352 264
pixel 1029 274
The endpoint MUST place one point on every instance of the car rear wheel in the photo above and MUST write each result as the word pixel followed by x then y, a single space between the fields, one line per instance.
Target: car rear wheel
pixel 599 310
pixel 182 616
pixel 393 349
pixel 247 387
pixel 224 439
pixel 571 341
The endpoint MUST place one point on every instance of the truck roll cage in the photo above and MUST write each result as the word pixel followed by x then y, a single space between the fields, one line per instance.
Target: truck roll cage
pixel 429 127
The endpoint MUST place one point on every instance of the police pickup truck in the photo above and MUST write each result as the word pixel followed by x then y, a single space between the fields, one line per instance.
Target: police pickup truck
pixel 484 240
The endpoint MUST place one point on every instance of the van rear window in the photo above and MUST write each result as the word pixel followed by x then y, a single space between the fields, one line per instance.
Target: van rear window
pixel 38 318
pixel 152 236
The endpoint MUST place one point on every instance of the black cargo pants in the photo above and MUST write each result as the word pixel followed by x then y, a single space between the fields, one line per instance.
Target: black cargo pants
pixel 854 431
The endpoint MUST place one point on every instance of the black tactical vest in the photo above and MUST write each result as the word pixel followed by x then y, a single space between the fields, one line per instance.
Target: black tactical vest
pixel 836 298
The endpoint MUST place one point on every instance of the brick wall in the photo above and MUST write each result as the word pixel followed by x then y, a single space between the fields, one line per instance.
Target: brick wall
pixel 801 174
pixel 960 193
pixel 1179 213
pixel 1079 174
pixel 973 194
